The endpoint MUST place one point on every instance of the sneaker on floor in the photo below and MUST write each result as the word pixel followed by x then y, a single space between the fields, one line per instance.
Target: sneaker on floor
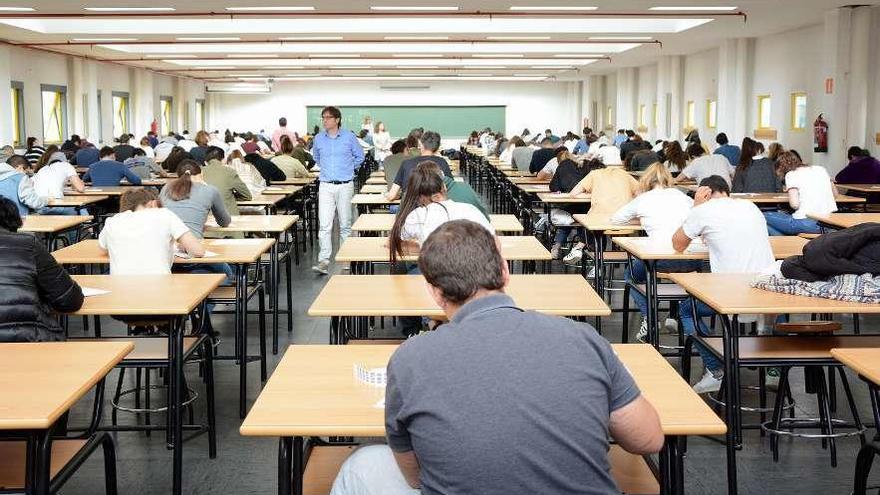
pixel 573 257
pixel 323 267
pixel 671 325
pixel 771 379
pixel 642 334
pixel 554 251
pixel 591 274
pixel 709 383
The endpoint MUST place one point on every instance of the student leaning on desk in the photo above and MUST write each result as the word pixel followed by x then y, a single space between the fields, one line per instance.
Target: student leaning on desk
pixel 487 404
pixel 32 284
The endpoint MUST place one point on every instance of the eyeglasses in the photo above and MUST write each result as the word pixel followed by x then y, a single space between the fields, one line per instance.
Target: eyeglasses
pixel 327 117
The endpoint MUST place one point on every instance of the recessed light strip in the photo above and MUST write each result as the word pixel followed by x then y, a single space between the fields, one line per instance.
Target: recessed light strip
pixel 209 38
pixel 557 8
pixel 130 9
pixel 288 8
pixel 413 8
pixel 693 8
pixel 101 40
pixel 17 9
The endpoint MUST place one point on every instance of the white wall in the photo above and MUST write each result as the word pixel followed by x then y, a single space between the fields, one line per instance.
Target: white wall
pixel 647 96
pixel 537 106
pixel 700 84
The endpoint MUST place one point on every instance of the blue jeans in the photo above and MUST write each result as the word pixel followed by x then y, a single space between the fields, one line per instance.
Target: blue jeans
pixel 222 268
pixel 59 210
pixel 371 470
pixel 782 223
pixel 640 276
pixel 562 234
pixel 687 323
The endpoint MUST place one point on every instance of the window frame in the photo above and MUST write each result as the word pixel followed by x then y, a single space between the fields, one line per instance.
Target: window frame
pixel 127 123
pixel 711 113
pixel 760 114
pixel 609 117
pixel 61 118
pixel 201 115
pixel 19 133
pixel 643 114
pixel 166 127
pixel 690 115
pixel 793 113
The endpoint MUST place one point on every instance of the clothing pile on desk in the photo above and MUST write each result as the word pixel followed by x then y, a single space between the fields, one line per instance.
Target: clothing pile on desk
pixel 842 265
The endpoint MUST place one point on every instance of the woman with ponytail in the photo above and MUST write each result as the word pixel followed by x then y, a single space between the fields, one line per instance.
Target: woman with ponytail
pixel 192 199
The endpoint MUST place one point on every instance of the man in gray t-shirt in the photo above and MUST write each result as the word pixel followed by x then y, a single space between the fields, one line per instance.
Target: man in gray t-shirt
pixel 498 400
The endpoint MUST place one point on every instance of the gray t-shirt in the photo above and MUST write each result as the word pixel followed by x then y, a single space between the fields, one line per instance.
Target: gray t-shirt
pixel 203 199
pixel 521 157
pixel 502 401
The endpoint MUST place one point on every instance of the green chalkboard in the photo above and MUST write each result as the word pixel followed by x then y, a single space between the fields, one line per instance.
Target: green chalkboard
pixel 450 122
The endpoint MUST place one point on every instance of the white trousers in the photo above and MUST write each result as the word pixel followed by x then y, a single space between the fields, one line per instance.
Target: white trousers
pixel 371 470
pixel 333 200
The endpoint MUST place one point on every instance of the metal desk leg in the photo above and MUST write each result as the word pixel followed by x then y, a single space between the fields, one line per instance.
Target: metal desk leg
pixel 273 287
pixel 175 401
pixel 731 397
pixel 653 304
pixel 241 329
pixel 285 468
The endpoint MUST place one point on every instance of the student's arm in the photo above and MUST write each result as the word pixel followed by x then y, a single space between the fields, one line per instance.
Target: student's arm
pixel 28 195
pixel 357 152
pixel 219 210
pixel 585 185
pixel 543 175
pixel 794 197
pixel 309 159
pixel 680 240
pixel 626 213
pixel 269 171
pixel 393 193
pixel 239 188
pixel 636 427
pixel 76 183
pixel 87 176
pixel 131 176
pixel 191 245
pixel 54 285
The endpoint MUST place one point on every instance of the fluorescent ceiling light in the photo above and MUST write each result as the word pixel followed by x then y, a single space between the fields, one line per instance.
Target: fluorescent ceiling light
pixel 418 8
pixel 574 55
pixel 251 55
pixel 129 9
pixel 353 66
pixel 334 55
pixel 531 75
pixel 550 7
pixel 417 55
pixel 209 38
pixel 415 38
pixel 289 67
pixel 620 38
pixel 557 67
pixel 497 55
pixel 214 67
pixel 104 40
pixel 693 8
pixel 247 75
pixel 169 56
pixel 17 9
pixel 310 38
pixel 289 8
pixel 491 67
pixel 517 38
pixel 416 66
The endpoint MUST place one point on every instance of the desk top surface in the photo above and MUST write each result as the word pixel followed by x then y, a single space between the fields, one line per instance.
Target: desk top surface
pixel 176 294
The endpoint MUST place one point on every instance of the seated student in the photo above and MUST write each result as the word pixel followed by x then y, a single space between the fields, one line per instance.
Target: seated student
pixel 201 147
pixel 164 149
pixel 302 154
pixel 609 155
pixel 123 150
pixel 87 155
pixel 51 175
pixel 640 160
pixel 861 168
pixel 192 199
pixel 429 143
pixel 610 188
pixel 286 163
pixel 542 155
pixel 144 166
pixel 521 155
pixel 661 208
pixel 810 191
pixel 141 238
pixel 34 151
pixel 676 158
pixel 462 192
pixel 147 147
pixel 633 144
pixel 466 406
pixel 393 161
pixel 568 174
pixel 16 186
pixel 774 151
pixel 727 150
pixel 735 232
pixel 33 285
pixel 174 158
pixel 267 169
pixel 248 173
pixel 755 173
pixel 109 172
pixel 225 179
pixel 703 165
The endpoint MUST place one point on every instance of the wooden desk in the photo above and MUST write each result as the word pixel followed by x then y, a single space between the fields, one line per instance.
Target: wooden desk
pixel 76 201
pixel 836 221
pixel 364 202
pixel 731 294
pixel 383 222
pixel 175 296
pixel 333 403
pixel 262 200
pixel 100 191
pixel 533 188
pixel 52 225
pixel 528 180
pixel 294 181
pixel 862 188
pixel 600 225
pixel 782 198
pixel 362 252
pixel 865 362
pixel 374 189
pixel 373 181
pixel 276 226
pixel 41 382
pixel 276 190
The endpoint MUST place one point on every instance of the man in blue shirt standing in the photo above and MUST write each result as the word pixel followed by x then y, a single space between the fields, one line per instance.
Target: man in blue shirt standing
pixel 338 153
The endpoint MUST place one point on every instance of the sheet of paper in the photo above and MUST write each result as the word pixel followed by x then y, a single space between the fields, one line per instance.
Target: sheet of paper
pixel 697 246
pixel 186 256
pixel 89 291
pixel 233 242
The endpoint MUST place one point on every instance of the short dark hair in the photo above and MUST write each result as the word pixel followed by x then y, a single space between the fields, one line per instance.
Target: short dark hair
pixel 716 184
pixel 546 140
pixel 16 161
pixel 721 139
pixel 138 152
pixel 214 153
pixel 695 150
pixel 460 258
pixel 282 122
pixel 430 140
pixel 136 196
pixel 333 111
pixel 9 217
pixel 548 130
pixel 398 146
pixel 621 131
pixel 630 133
pixel 106 151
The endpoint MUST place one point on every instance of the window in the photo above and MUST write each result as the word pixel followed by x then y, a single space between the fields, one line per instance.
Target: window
pixel 643 117
pixel 120 113
pixel 656 116
pixel 165 109
pixel 18 137
pixel 200 115
pixel 691 117
pixel 711 114
pixel 100 119
pixel 609 117
pixel 798 111
pixel 54 113
pixel 764 102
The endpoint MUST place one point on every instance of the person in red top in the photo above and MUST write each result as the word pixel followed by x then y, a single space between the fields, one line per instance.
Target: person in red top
pixel 282 131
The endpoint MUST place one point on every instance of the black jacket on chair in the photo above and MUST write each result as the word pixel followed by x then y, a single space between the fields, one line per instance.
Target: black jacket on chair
pixel 855 251
pixel 32 287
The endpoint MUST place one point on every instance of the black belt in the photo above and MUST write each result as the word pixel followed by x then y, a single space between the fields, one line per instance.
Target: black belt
pixel 337 182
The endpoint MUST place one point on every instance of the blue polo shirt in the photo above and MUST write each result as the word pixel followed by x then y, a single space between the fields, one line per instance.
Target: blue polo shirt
pixel 110 173
pixel 338 156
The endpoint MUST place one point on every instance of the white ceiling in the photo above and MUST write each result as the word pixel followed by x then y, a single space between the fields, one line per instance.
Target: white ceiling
pixel 203 39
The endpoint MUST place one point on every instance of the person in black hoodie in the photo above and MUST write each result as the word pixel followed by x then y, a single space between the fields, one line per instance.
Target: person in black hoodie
pixel 269 171
pixel 32 285
pixel 854 251
pixel 541 156
pixel 568 174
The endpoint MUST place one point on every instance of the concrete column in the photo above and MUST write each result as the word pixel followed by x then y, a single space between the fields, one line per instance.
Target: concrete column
pixel 90 90
pixel 6 136
pixel 627 97
pixel 143 102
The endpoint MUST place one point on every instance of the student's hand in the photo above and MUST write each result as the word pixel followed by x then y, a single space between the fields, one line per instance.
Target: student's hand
pixel 702 195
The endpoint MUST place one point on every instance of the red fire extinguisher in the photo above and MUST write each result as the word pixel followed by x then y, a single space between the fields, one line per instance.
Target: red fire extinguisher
pixel 820 135
pixel 154 127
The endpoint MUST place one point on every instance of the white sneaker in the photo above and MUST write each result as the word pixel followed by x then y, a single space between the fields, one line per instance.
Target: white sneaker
pixel 709 383
pixel 592 273
pixel 573 256
pixel 642 334
pixel 671 325
pixel 322 267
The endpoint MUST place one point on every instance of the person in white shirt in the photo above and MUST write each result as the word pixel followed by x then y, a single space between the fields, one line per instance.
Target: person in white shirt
pixel 703 165
pixel 735 233
pixel 609 155
pixel 141 239
pixel 382 141
pixel 810 191
pixel 507 154
pixel 51 175
pixel 247 172
pixel 661 208
pixel 149 152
